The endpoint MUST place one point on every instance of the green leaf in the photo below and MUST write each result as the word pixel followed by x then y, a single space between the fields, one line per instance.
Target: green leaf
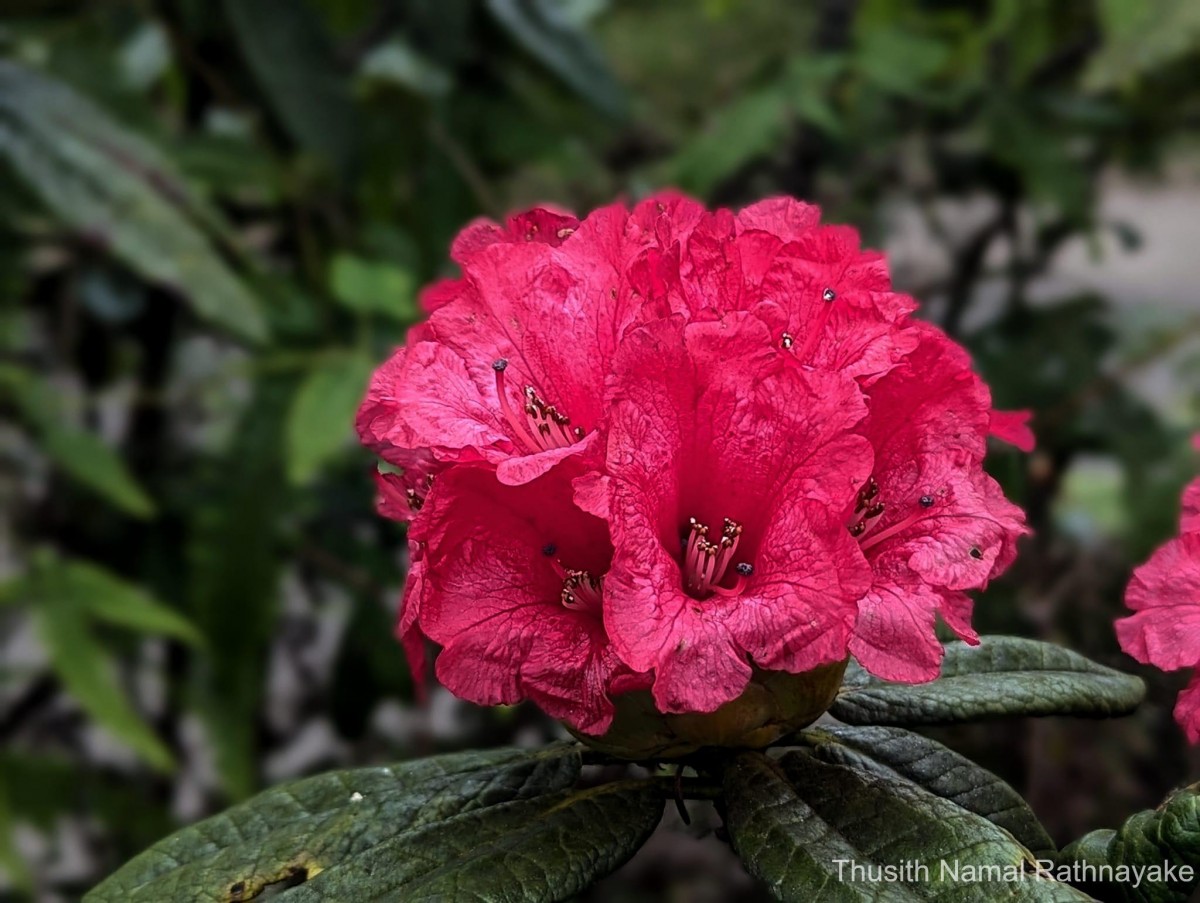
pixel 368 286
pixel 106 597
pixel 1150 840
pixel 234 567
pixel 746 129
pixel 899 61
pixel 537 851
pixel 502 824
pixel 95 465
pixel 542 28
pixel 791 820
pixel 291 56
pixel 83 665
pixel 899 754
pixel 77 452
pixel 1139 37
pixel 1001 677
pixel 321 417
pixel 118 190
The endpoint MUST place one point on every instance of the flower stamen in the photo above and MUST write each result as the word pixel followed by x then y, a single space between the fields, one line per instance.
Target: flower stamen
pixel 543 426
pixel 582 592
pixel 869 512
pixel 705 563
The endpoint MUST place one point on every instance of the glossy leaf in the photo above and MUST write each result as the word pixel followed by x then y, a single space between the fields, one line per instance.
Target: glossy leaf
pixel 899 754
pixel 119 192
pixel 320 421
pixel 792 820
pixel 1150 840
pixel 536 851
pixel 1001 677
pixel 409 831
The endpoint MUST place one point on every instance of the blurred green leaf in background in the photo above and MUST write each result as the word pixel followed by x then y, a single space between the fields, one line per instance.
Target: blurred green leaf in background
pixel 215 218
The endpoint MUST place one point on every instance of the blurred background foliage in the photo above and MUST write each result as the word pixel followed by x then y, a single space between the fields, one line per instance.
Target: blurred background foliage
pixel 214 217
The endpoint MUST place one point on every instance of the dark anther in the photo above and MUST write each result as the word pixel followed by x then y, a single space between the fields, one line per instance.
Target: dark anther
pixel 744 568
pixel 549 549
pixel 975 553
pixel 828 295
pixel 500 364
pixel 927 501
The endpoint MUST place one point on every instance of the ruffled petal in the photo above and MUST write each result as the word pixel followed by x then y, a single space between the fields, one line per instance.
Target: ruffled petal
pixel 1013 427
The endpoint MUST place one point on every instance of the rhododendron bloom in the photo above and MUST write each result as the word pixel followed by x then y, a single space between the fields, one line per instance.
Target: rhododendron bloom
pixel 666 468
pixel 512 372
pixel 1164 594
pixel 726 472
pixel 511 584
pixel 929 520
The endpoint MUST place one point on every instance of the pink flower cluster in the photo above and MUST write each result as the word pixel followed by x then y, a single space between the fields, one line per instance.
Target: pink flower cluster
pixel 660 447
pixel 1165 596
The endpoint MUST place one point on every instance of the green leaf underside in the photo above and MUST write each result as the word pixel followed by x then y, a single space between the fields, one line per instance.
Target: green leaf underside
pixel 114 187
pixel 792 819
pixel 898 754
pixel 1001 677
pixel 1168 834
pixel 377 832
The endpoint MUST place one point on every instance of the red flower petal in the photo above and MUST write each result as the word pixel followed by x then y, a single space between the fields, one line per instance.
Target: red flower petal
pixel 1013 427
pixel 492 594
pixel 708 424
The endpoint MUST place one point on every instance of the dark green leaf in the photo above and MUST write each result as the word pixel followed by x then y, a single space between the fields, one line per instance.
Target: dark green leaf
pixel 536 851
pixel 1149 841
pixel 369 286
pixel 897 753
pixel 320 421
pixel 541 27
pixel 291 56
pixel 365 833
pixel 1001 677
pixel 118 190
pixel 792 820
